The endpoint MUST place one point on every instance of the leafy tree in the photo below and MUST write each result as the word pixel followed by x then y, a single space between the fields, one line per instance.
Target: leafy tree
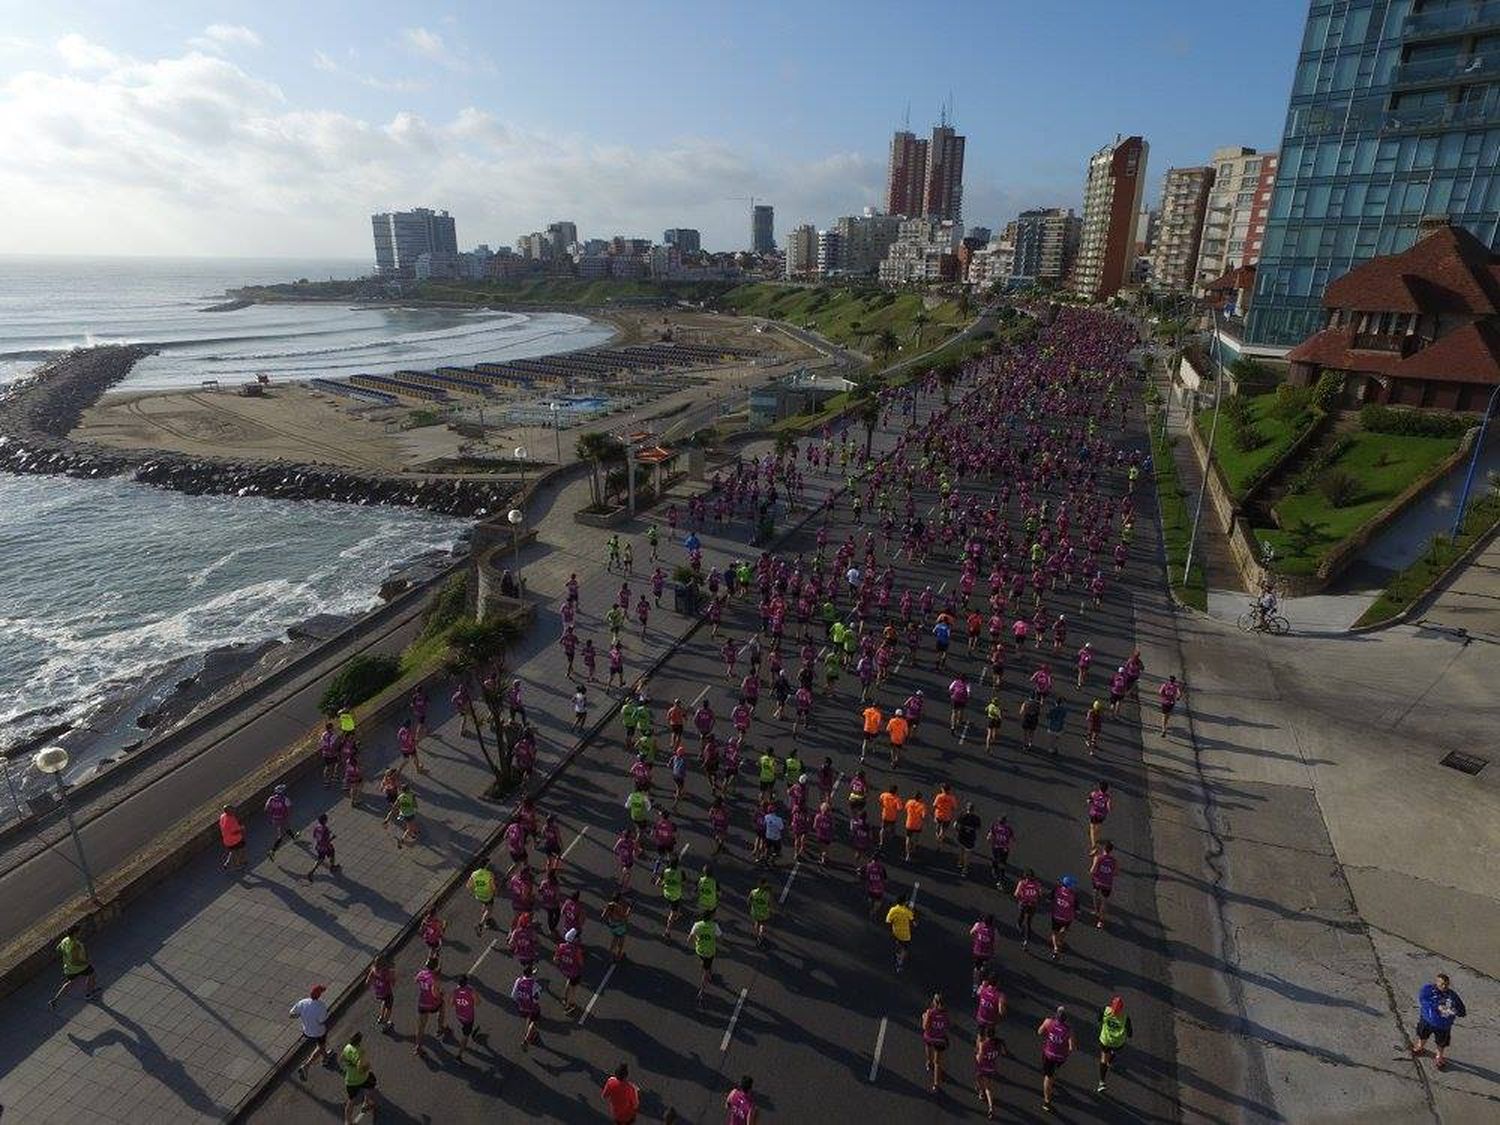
pixel 866 398
pixel 920 322
pixel 947 375
pixel 1303 536
pixel 476 655
pixel 886 344
pixel 592 446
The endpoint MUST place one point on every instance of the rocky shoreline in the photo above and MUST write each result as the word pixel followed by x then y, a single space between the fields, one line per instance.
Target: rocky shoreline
pixel 38 412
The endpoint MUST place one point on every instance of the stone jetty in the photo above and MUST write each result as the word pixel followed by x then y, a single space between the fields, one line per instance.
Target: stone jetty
pixel 38 413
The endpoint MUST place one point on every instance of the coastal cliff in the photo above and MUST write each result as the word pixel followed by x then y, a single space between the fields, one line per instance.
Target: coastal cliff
pixel 37 414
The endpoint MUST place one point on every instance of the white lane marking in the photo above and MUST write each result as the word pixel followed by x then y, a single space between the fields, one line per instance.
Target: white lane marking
pixel 944 586
pixel 474 968
pixel 594 999
pixel 701 694
pixel 733 1019
pixel 582 832
pixel 790 875
pixel 879 1046
pixel 912 900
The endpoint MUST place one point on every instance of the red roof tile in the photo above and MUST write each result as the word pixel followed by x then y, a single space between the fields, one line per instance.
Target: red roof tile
pixel 1448 270
pixel 1470 354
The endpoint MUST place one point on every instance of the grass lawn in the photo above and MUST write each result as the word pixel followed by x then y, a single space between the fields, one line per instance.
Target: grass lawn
pixel 1480 518
pixel 850 317
pixel 1243 469
pixel 1383 465
pixel 1176 520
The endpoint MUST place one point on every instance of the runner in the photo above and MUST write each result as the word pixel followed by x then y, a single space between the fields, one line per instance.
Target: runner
pixel 872 720
pixel 1001 837
pixel 916 820
pixel 568 957
pixel 622 1096
pixel 279 811
pixel 482 887
pixel 617 921
pixel 760 910
pixel 76 967
pixel 982 947
pixel 969 824
pixel 1114 1029
pixel 944 810
pixel 897 730
pixel 874 875
pixel 901 918
pixel 1094 723
pixel 994 715
pixel 433 930
pixel 381 980
pixel 988 1050
pixel 465 1008
pixel 935 1039
pixel 526 991
pixel 740 1103
pixel 958 699
pixel 232 835
pixel 1099 805
pixel 1057 719
pixel 1027 893
pixel 1057 1045
pixel 359 1080
pixel 1169 693
pixel 1064 910
pixel 705 934
pixel 890 811
pixel 1030 713
pixel 406 816
pixel 323 851
pixel 1102 874
pixel 312 1015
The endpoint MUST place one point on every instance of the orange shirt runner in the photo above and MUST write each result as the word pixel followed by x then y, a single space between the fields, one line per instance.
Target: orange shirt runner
pixel 872 720
pixel 897 728
pixel 890 807
pixel 916 815
pixel 944 805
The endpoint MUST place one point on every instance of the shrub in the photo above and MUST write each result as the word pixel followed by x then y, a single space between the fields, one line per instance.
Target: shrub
pixel 1310 472
pixel 360 679
pixel 1245 436
pixel 1236 410
pixel 1377 419
pixel 1339 487
pixel 1326 391
pixel 1291 402
pixel 451 602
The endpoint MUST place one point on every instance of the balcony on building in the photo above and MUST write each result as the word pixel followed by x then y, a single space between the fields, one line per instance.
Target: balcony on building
pixel 1459 19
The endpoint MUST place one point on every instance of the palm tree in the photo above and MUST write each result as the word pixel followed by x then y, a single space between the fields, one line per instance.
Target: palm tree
pixel 920 320
pixel 886 344
pixel 476 652
pixel 947 375
pixel 866 399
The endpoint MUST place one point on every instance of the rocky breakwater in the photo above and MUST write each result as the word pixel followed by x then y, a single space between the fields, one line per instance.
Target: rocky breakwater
pixel 37 414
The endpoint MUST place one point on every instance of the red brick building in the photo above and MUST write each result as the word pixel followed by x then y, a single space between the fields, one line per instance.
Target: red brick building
pixel 1419 328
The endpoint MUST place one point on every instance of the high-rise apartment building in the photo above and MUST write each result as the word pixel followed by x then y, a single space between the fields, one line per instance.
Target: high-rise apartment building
pixel 1394 114
pixel 1045 242
pixel 864 240
pixel 762 228
pixel 906 178
pixel 561 235
pixel 401 237
pixel 1260 207
pixel 944 192
pixel 1111 210
pixel 686 239
pixel 1184 201
pixel 802 251
pixel 925 250
pixel 1226 221
pixel 830 253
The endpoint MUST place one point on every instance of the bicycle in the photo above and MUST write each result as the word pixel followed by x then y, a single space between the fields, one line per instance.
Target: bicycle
pixel 1256 620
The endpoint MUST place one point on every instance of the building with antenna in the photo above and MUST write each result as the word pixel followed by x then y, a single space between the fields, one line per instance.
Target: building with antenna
pixel 925 178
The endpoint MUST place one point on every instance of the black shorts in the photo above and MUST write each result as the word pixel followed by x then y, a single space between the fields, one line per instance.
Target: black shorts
pixel 320 1040
pixel 235 847
pixel 708 964
pixel 940 1046
pixel 1049 1066
pixel 1166 708
pixel 82 974
pixel 1101 891
pixel 467 1028
pixel 980 962
pixel 353 1092
pixel 1059 926
pixel 993 724
pixel 1439 1035
pixel 773 846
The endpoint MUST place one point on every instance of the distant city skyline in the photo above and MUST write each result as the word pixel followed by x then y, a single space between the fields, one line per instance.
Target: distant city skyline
pixel 190 135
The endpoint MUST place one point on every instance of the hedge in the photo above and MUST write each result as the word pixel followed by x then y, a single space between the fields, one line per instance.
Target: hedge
pixel 1379 419
pixel 362 678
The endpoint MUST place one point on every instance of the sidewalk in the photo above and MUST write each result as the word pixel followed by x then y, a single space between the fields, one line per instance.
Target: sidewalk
pixel 198 978
pixel 1219 571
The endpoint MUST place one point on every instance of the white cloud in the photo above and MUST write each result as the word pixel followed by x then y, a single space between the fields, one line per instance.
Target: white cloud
pixel 81 54
pixel 220 35
pixel 429 45
pixel 325 62
pixel 196 154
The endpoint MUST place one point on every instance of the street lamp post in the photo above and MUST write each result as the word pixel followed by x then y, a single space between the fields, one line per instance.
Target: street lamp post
pixel 1463 497
pixel 11 786
pixel 53 760
pixel 520 455
pixel 556 427
pixel 516 518
pixel 1213 429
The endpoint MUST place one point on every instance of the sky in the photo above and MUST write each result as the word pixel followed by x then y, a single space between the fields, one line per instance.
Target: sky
pixel 276 128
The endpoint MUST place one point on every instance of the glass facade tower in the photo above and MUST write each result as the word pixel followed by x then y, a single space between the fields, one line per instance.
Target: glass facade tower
pixel 1394 114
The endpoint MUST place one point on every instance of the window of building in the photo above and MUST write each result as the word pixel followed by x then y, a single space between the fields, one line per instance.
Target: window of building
pixel 1385 157
pixel 1336 202
pixel 1376 198
pixel 1364 156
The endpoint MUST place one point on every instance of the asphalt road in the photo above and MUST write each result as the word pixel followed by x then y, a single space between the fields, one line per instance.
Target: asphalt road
pixel 819 1016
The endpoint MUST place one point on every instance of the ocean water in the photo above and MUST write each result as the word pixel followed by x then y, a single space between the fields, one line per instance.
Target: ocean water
pixel 48 305
pixel 105 584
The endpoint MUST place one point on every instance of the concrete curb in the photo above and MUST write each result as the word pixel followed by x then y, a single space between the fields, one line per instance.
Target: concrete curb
pixel 1422 600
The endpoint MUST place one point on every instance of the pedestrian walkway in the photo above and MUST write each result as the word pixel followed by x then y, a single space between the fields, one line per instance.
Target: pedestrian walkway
pixel 1219 571
pixel 198 977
